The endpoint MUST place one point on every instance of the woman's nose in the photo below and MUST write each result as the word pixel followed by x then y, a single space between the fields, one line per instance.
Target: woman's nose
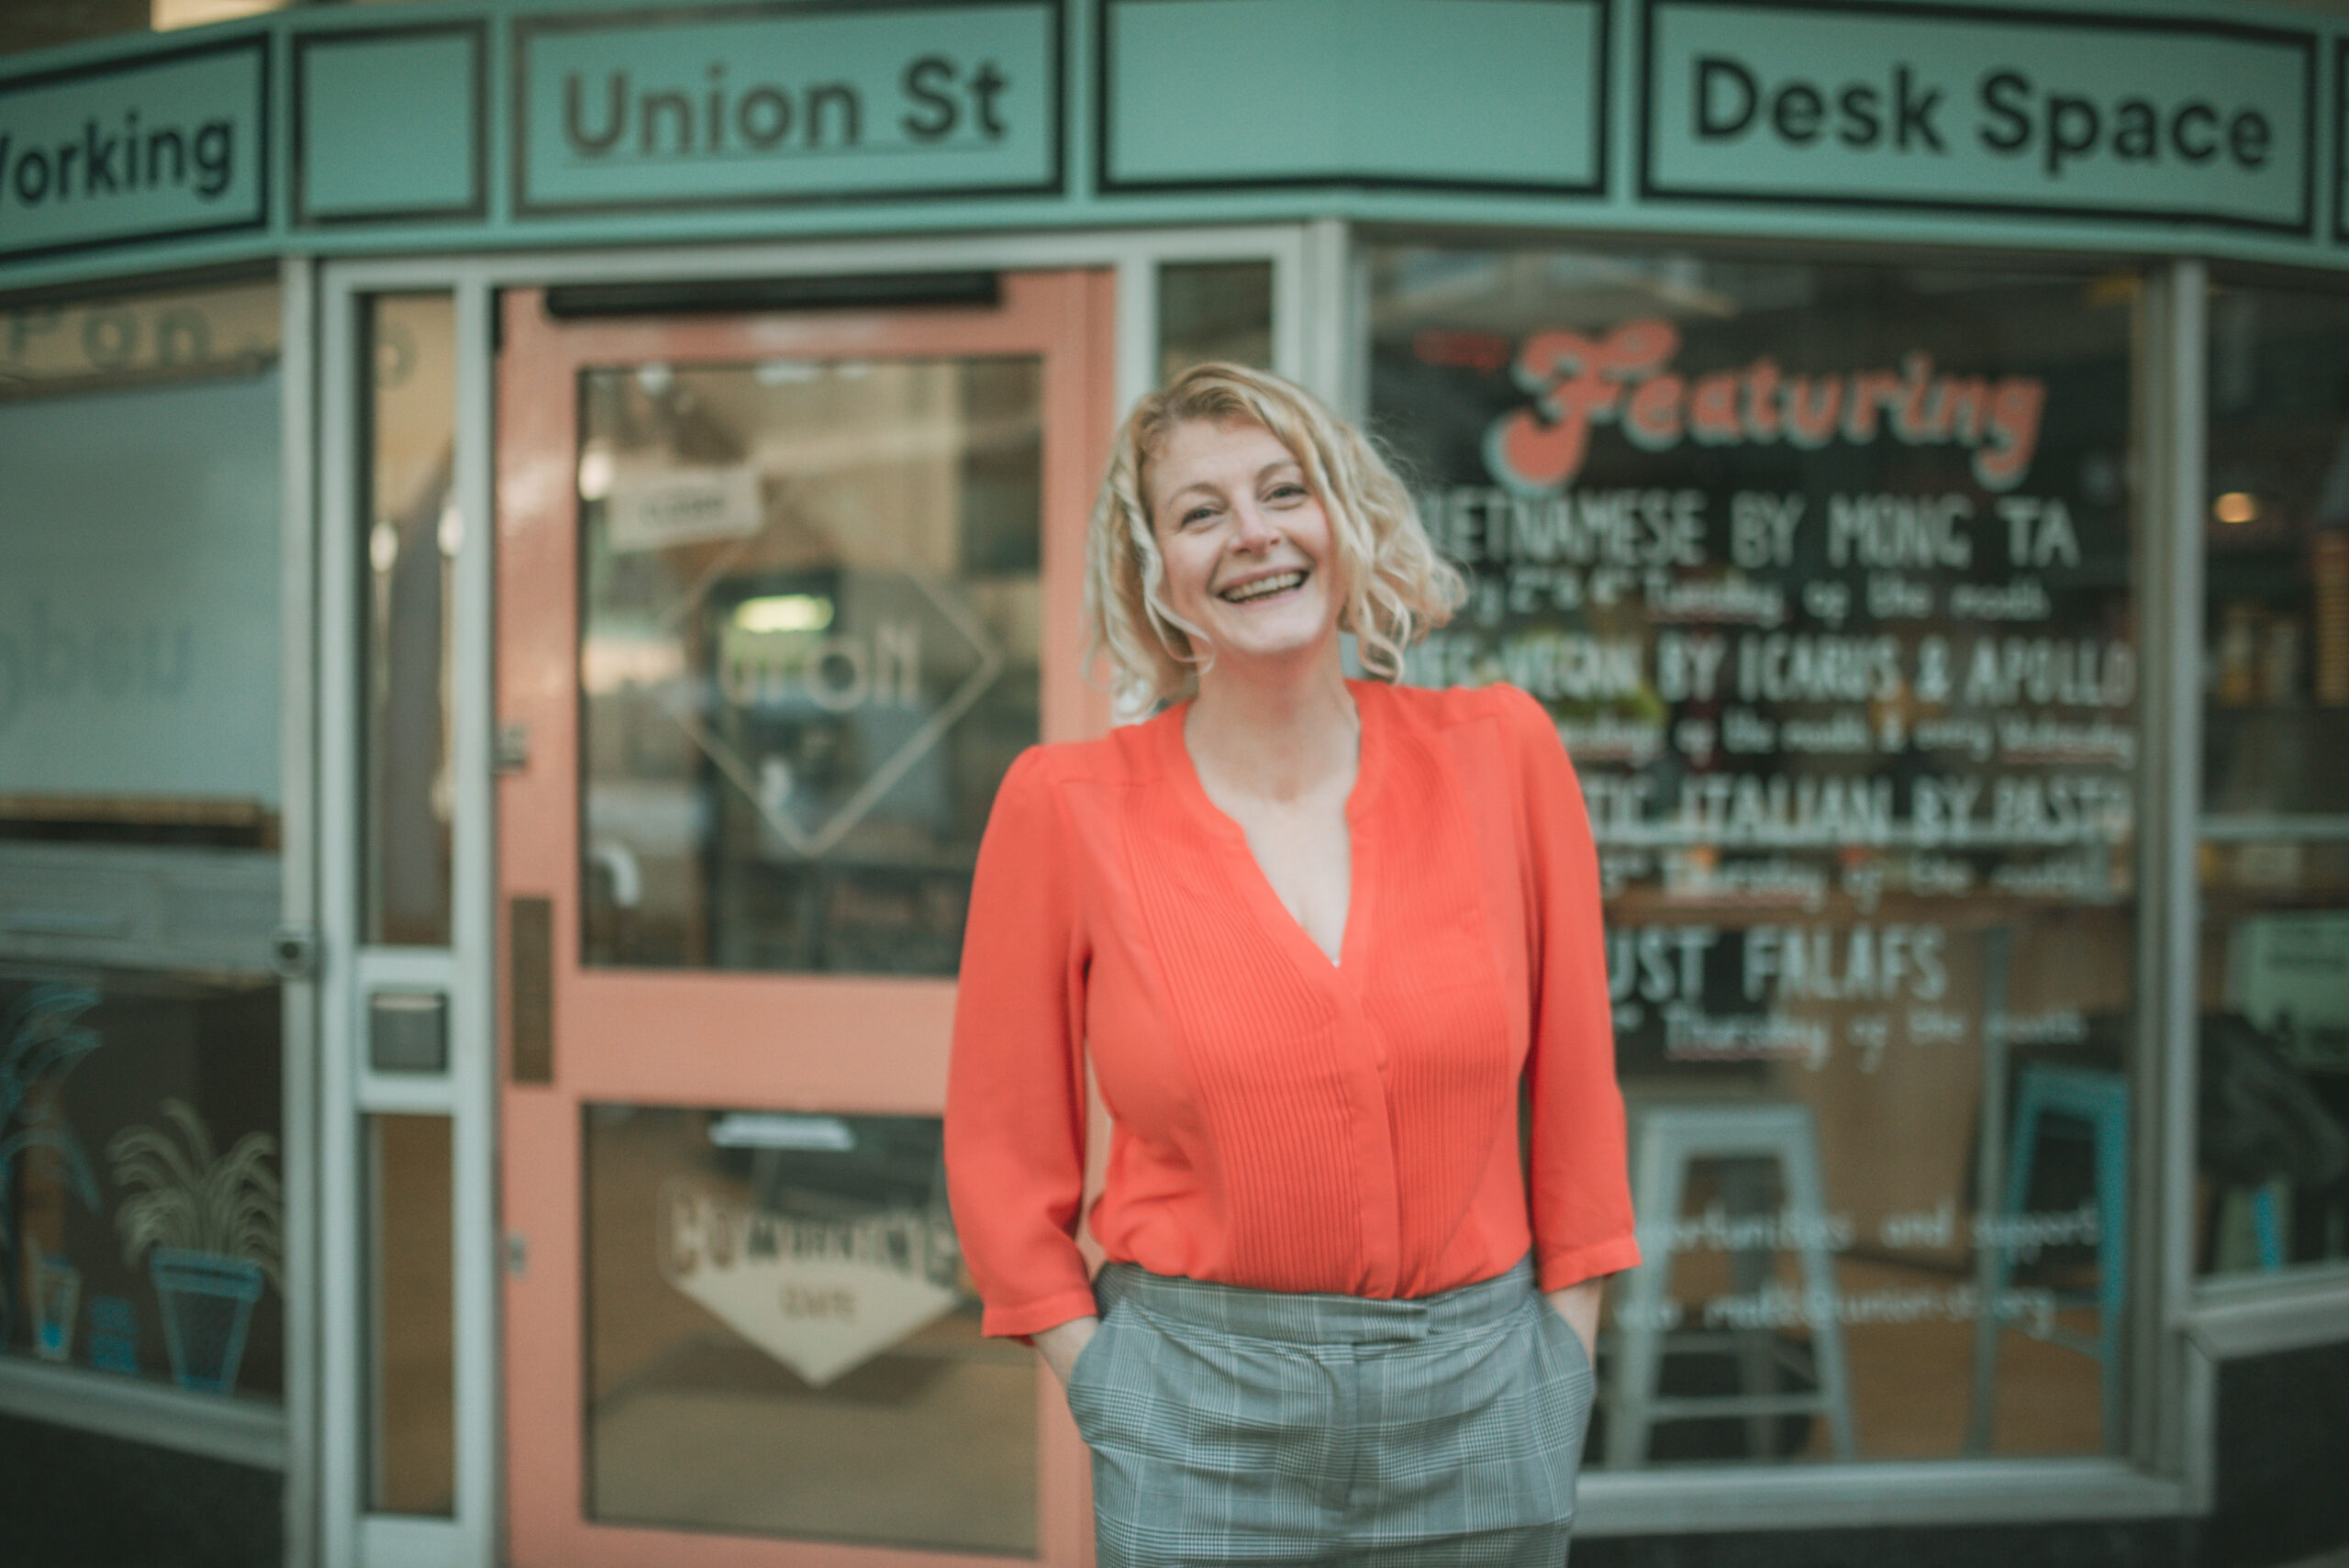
pixel 1252 530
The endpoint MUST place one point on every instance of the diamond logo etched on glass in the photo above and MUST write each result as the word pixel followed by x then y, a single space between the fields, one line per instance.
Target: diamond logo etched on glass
pixel 821 1296
pixel 879 667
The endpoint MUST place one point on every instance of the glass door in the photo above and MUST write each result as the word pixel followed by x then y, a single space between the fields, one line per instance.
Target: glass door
pixel 780 597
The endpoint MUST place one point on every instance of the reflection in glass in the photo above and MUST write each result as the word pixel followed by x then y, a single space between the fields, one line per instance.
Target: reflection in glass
pixel 411 1319
pixel 809 651
pixel 113 344
pixel 2274 852
pixel 782 1338
pixel 141 650
pixel 413 530
pixel 1214 310
pixel 1824 573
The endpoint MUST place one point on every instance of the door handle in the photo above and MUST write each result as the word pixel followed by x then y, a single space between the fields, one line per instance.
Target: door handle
pixel 529 987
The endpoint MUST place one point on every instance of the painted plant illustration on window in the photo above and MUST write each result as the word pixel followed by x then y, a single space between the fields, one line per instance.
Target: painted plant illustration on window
pixel 112 1161
pixel 43 1041
pixel 212 1230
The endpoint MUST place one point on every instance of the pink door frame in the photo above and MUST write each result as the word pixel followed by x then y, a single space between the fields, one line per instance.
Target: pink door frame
pixel 728 1039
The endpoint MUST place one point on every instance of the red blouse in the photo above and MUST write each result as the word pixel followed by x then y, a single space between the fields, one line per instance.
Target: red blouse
pixel 1279 1121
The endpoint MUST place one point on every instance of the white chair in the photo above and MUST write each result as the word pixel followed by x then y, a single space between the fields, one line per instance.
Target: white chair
pixel 1667 1137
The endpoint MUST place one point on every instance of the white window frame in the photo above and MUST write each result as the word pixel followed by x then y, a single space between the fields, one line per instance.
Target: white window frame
pixel 348 1089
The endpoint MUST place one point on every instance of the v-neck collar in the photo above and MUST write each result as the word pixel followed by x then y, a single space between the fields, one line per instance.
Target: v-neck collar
pixel 1249 873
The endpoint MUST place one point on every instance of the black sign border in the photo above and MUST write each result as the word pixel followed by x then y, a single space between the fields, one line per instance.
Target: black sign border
pixel 1107 184
pixel 473 211
pixel 2306 42
pixel 526 28
pixel 2341 139
pixel 257 45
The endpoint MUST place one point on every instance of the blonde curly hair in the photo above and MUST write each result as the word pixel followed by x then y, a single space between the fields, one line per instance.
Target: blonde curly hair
pixel 1396 587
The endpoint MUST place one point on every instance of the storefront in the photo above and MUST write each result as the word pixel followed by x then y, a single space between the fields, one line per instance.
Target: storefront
pixel 529 534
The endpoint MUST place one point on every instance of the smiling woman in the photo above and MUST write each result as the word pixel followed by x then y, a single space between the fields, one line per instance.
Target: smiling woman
pixel 1317 940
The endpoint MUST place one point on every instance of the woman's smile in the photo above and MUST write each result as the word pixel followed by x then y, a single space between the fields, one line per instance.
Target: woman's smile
pixel 1257 590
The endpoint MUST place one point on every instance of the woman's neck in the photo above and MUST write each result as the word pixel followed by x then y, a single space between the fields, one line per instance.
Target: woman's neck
pixel 1274 738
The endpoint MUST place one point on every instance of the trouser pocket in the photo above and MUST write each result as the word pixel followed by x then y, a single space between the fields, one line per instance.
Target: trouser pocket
pixel 1085 1375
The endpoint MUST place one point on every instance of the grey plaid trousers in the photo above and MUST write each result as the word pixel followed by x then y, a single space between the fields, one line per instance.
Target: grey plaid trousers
pixel 1234 1425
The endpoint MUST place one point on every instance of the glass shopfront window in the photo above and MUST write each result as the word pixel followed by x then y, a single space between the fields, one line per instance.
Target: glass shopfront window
pixel 146 1218
pixel 1825 574
pixel 811 620
pixel 413 529
pixel 2273 861
pixel 806 1358
pixel 1214 310
pixel 141 1217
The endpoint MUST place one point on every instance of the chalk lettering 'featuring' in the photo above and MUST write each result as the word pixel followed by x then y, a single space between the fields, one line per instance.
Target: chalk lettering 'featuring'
pixel 1577 382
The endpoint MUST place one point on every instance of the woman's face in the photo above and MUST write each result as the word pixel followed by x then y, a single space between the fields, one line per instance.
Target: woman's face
pixel 1247 546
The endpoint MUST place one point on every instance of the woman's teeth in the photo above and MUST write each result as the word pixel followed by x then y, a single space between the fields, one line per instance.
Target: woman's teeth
pixel 1264 586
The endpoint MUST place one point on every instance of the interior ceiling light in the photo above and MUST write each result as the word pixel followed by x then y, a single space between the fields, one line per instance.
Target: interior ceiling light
pixel 596 473
pixel 784 611
pixel 2234 506
pixel 168 15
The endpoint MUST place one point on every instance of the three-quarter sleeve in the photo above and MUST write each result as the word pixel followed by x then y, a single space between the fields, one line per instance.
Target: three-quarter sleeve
pixel 1014 1091
pixel 1580 1181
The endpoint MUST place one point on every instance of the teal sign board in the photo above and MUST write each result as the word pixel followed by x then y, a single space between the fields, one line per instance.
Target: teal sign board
pixel 755 106
pixel 167 146
pixel 2084 116
pixel 391 125
pixel 2209 127
pixel 1503 95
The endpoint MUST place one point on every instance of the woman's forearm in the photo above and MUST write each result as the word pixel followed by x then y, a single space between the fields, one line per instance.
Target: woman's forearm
pixel 1060 1344
pixel 1578 1305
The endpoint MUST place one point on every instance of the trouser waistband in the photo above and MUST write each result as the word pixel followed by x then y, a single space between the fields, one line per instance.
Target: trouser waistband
pixel 1313 1317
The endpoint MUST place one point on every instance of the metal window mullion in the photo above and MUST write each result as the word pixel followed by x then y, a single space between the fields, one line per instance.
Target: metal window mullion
pixel 2007 1492
pixel 340 1338
pixel 1137 329
pixel 474 887
pixel 2169 1433
pixel 1292 309
pixel 2244 828
pixel 1328 321
pixel 298 866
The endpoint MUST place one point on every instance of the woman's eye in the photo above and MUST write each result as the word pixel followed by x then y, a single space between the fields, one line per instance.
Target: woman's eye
pixel 1197 515
pixel 1286 495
